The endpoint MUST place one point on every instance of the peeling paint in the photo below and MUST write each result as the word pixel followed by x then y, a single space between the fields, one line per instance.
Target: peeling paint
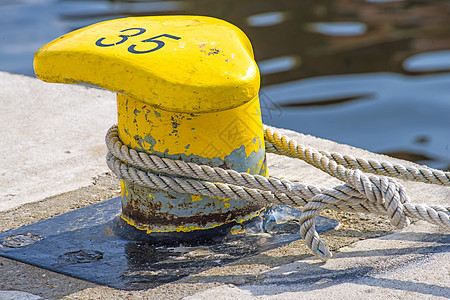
pixel 230 140
pixel 195 198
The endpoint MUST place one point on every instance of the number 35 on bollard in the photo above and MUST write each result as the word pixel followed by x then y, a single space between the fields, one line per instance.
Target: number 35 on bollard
pixel 187 89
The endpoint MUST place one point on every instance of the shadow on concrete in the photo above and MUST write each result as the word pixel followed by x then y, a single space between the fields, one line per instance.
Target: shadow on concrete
pixel 302 276
pixel 395 252
pixel 419 236
pixel 299 281
pixel 312 277
pixel 442 240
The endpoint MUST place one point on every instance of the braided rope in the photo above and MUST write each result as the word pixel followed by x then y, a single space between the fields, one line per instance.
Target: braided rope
pixel 287 193
pixel 360 193
pixel 276 144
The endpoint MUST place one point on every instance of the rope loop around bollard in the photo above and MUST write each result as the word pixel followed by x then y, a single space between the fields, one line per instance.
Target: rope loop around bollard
pixel 380 195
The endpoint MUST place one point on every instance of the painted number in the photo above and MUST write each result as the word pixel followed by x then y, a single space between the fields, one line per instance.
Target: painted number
pixel 124 37
pixel 159 44
pixel 132 49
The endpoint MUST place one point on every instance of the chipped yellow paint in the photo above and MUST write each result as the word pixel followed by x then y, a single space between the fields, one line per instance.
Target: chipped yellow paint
pixel 202 64
pixel 186 228
pixel 237 230
pixel 224 200
pixel 209 135
pixel 123 188
pixel 195 198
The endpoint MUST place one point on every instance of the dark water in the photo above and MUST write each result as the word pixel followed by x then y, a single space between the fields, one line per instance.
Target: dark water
pixel 374 74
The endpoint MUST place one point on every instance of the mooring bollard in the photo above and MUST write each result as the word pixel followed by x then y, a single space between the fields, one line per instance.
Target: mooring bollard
pixel 187 89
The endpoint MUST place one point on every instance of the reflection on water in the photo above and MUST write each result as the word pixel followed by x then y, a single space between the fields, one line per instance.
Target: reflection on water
pixel 278 64
pixel 405 116
pixel 381 1
pixel 73 10
pixel 267 19
pixel 429 61
pixel 373 74
pixel 337 28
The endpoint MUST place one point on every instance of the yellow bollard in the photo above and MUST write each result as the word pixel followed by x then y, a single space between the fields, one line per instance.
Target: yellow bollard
pixel 187 89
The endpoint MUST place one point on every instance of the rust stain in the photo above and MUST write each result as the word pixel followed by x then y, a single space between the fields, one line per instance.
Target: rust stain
pixel 155 218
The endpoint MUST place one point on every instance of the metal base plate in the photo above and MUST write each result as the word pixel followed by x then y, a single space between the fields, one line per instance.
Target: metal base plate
pixel 93 244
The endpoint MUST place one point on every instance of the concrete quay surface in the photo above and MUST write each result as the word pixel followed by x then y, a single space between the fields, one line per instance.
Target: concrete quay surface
pixel 53 161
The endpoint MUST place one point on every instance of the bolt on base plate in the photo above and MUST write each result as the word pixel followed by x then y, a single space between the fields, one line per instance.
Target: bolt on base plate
pixel 94 244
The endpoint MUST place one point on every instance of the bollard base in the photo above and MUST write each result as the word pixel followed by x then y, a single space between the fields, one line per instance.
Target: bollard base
pixel 94 244
pixel 124 230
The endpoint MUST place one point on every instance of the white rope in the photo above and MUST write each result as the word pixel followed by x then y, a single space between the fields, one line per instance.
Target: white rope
pixel 278 144
pixel 360 193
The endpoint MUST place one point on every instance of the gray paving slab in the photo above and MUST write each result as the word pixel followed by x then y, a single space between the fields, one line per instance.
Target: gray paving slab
pixel 52 147
pixel 17 295
pixel 52 137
